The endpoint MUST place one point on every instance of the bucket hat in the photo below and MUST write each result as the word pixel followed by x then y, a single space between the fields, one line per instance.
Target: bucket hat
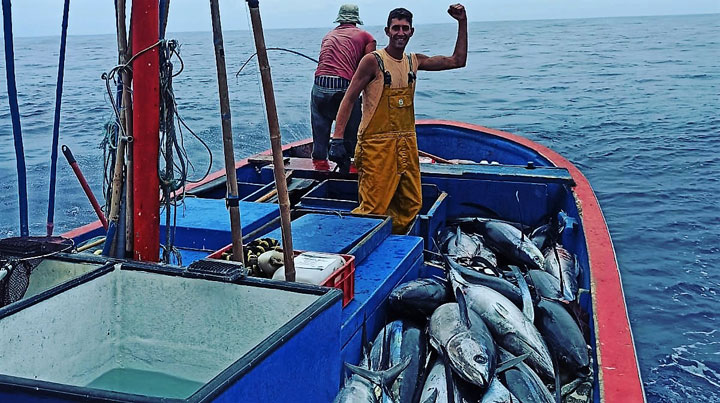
pixel 349 13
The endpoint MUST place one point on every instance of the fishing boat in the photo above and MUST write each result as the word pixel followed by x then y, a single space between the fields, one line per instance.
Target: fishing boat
pixel 202 328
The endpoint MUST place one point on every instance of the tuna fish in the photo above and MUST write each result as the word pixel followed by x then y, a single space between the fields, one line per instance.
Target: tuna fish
pixel 419 298
pixel 546 285
pixel 510 328
pixel 397 341
pixel 470 250
pixel 523 383
pixel 563 266
pixel 527 305
pixel 466 344
pixel 356 390
pixel 511 243
pixel 541 236
pixel 360 387
pixel 440 379
pixel 563 337
pixel 463 275
pixel 498 393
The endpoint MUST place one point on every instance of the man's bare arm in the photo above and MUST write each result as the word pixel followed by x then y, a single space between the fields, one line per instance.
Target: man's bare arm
pixel 363 75
pixel 370 47
pixel 459 56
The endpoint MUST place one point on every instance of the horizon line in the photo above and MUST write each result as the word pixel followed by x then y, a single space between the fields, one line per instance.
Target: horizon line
pixel 419 24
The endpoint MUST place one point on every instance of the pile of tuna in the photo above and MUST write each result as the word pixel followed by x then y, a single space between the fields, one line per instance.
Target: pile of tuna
pixel 503 325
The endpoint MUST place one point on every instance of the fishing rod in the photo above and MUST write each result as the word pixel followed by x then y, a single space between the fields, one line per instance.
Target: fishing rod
pixel 56 121
pixel 15 116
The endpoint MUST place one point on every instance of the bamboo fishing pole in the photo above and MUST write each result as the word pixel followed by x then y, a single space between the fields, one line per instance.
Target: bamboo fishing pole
pixel 275 140
pixel 231 178
pixel 128 107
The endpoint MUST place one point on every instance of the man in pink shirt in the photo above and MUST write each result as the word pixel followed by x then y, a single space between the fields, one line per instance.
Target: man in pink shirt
pixel 340 52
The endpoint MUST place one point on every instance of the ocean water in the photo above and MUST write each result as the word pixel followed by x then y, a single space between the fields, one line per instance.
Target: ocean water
pixel 633 102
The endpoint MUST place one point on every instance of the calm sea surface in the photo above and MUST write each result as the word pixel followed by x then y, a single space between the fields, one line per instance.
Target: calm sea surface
pixel 633 102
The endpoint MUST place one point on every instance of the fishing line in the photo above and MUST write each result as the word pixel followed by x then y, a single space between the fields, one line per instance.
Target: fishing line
pixel 280 49
pixel 258 78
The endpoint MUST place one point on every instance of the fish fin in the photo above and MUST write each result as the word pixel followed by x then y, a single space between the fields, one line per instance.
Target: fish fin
pixel 557 257
pixel 449 381
pixel 364 341
pixel 432 398
pixel 556 373
pixel 440 279
pixel 503 366
pixel 528 309
pixel 522 229
pixel 462 304
pixel 458 233
pixel 385 348
pixel 381 378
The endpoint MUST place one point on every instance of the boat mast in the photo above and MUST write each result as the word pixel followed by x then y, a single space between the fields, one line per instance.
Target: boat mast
pixel 144 19
pixel 275 139
pixel 232 199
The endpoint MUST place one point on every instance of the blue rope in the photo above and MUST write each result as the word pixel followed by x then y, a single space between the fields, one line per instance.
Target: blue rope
pixel 56 123
pixel 15 115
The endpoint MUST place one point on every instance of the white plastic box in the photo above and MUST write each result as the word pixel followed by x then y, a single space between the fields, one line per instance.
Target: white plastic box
pixel 312 267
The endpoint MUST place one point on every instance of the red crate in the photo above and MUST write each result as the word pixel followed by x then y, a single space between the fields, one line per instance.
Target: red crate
pixel 342 279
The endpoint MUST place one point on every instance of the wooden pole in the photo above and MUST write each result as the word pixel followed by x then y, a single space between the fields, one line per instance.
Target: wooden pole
pixel 146 126
pixel 231 178
pixel 275 140
pixel 435 157
pixel 122 158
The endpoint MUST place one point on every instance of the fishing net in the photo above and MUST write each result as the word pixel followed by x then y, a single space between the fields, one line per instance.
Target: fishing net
pixel 18 258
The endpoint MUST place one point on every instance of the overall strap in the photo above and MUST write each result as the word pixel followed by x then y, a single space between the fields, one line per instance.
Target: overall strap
pixel 386 74
pixel 411 75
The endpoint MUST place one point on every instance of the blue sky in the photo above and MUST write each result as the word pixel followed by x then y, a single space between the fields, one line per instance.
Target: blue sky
pixel 43 17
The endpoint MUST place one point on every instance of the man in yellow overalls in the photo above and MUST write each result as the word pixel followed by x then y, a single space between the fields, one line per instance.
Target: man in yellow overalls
pixel 386 155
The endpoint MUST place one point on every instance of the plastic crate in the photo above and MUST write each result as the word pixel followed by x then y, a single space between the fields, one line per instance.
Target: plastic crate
pixel 344 279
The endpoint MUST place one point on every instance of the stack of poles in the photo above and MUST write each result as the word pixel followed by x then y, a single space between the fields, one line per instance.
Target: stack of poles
pixel 231 176
pixel 275 139
pixel 117 241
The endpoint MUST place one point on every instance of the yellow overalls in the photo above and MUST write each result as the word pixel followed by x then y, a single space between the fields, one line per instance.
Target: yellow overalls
pixel 386 156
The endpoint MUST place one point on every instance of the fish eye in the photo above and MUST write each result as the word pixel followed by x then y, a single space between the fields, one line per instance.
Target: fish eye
pixel 480 359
